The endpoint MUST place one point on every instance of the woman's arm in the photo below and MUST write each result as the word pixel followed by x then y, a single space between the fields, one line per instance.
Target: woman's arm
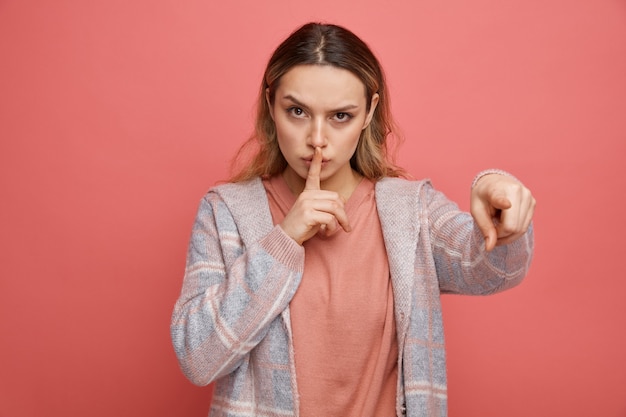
pixel 473 258
pixel 230 293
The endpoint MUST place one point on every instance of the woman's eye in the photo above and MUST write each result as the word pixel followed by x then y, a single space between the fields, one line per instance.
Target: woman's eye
pixel 343 117
pixel 295 111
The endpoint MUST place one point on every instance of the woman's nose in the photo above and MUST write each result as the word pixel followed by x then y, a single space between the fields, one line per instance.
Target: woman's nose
pixel 317 135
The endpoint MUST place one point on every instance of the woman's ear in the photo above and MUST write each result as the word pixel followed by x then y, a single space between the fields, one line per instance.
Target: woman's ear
pixel 269 102
pixel 370 114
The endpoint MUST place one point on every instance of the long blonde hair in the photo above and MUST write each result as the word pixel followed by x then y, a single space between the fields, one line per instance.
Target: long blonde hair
pixel 321 44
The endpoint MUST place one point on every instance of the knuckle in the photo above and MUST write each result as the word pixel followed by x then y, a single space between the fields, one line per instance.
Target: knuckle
pixel 508 230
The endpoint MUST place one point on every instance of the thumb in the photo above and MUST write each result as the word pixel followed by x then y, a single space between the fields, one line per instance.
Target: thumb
pixel 486 206
pixel 485 220
pixel 500 201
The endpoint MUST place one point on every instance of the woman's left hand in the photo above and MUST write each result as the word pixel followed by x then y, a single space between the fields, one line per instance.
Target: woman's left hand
pixel 502 208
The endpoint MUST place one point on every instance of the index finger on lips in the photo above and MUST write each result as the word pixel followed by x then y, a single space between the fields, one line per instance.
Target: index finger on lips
pixel 313 177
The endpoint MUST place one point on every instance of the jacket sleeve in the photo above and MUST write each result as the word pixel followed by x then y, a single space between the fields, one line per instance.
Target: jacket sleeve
pixel 231 293
pixel 463 265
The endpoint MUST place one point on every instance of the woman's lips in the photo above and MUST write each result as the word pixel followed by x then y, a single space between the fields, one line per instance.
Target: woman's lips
pixel 308 161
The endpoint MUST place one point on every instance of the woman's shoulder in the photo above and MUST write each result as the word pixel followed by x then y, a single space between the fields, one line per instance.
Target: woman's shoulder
pixel 235 189
pixel 234 195
pixel 237 186
pixel 398 196
pixel 402 185
pixel 244 202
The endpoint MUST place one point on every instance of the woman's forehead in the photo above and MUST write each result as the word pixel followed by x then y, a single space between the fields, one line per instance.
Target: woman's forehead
pixel 321 84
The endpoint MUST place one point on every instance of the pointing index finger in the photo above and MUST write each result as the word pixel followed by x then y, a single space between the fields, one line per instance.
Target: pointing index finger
pixel 313 177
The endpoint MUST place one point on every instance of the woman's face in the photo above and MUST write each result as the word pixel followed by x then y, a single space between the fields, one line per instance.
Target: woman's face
pixel 320 106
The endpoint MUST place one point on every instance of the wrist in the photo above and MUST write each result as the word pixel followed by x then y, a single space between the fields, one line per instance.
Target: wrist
pixel 486 172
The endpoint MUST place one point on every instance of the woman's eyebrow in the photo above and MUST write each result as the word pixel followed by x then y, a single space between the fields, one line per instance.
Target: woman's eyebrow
pixel 295 101
pixel 304 106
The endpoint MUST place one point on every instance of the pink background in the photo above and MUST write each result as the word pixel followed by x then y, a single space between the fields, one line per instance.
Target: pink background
pixel 116 117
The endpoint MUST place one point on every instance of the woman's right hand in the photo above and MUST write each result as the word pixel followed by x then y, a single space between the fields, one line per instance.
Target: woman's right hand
pixel 315 210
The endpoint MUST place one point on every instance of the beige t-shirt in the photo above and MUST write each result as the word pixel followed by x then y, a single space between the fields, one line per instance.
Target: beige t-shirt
pixel 342 315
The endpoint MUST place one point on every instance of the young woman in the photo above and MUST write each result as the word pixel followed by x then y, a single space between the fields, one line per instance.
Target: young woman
pixel 313 278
